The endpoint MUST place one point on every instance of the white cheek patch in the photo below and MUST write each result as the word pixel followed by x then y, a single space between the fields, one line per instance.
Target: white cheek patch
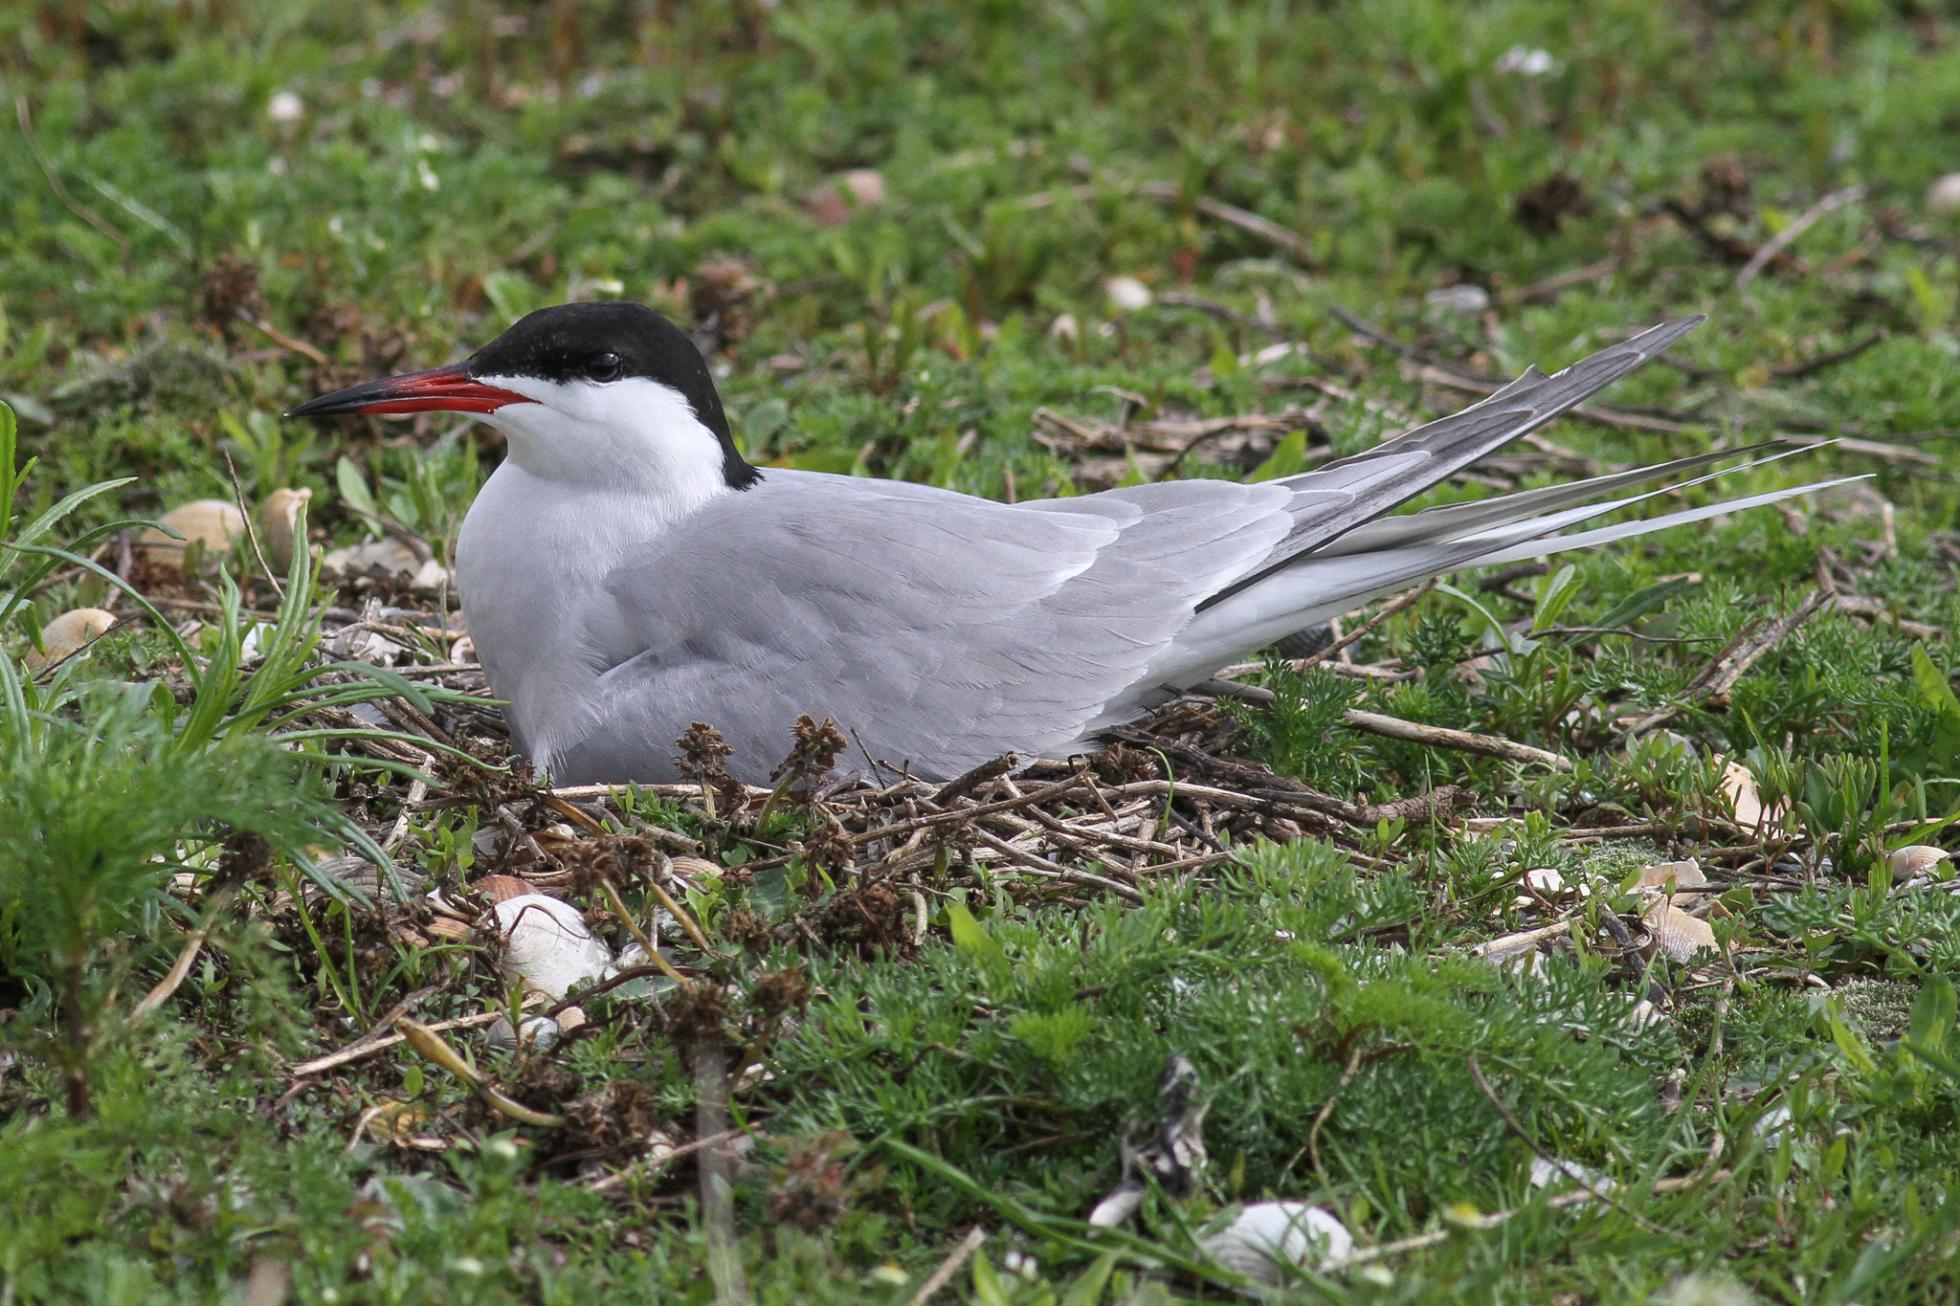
pixel 634 435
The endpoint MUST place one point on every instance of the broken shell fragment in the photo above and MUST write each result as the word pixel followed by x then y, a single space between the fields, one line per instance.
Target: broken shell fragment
pixel 1915 859
pixel 833 203
pixel 67 635
pixel 278 520
pixel 388 559
pixel 1745 803
pixel 446 928
pixel 501 888
pixel 1545 880
pixel 210 527
pixel 1684 874
pixel 1269 1238
pixel 1681 936
pixel 1645 1015
pixel 547 946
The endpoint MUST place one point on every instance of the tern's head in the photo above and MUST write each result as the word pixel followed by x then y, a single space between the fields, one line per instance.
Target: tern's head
pixel 609 393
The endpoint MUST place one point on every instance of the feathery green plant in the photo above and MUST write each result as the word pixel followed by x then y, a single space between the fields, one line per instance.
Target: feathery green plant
pixel 113 789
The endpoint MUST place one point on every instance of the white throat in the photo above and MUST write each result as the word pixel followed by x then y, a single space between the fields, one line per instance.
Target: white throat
pixel 632 436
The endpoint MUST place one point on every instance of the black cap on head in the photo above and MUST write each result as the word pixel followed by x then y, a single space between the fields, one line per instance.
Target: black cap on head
pixel 612 341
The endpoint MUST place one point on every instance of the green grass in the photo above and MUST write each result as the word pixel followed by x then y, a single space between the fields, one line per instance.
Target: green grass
pixel 451 166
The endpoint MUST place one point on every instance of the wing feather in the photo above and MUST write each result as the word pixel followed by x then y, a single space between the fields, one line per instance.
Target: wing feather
pixel 1399 469
pixel 942 629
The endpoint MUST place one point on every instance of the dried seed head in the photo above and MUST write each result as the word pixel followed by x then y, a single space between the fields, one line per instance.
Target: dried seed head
pixel 781 992
pixel 829 845
pixel 722 294
pixel 230 292
pixel 245 858
pixel 747 931
pixel 815 751
pixel 1725 186
pixel 698 1013
pixel 620 1117
pixel 704 753
pixel 609 859
pixel 1542 208
pixel 812 1191
pixel 704 757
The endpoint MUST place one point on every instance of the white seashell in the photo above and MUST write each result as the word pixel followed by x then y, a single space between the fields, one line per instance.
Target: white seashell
pixel 1943 196
pixel 1774 1124
pixel 1547 1174
pixel 1459 299
pixel 1127 293
pixel 1117 1208
pixel 547 946
pixel 66 635
pixel 865 186
pixel 1526 61
pixel 1269 1236
pixel 212 525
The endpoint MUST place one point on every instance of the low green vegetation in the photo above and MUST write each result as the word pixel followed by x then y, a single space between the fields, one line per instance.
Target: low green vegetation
pixel 1022 250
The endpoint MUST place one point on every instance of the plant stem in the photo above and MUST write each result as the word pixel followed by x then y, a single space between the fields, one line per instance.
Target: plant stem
pixel 75 1026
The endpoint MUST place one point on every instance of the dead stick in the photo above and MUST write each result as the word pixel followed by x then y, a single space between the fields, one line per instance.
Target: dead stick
pixel 949 1267
pixel 968 813
pixel 1444 737
pixel 1803 222
pixel 367 1047
pixel 607 1183
pixel 25 118
pixel 170 983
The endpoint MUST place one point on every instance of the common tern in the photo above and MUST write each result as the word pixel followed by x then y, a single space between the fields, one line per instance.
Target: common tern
pixel 625 572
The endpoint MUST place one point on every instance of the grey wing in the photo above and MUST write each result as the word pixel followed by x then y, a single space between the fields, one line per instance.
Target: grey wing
pixel 943 630
pixel 1340 496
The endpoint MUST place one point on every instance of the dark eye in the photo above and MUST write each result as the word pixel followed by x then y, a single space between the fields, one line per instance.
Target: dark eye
pixel 603 367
